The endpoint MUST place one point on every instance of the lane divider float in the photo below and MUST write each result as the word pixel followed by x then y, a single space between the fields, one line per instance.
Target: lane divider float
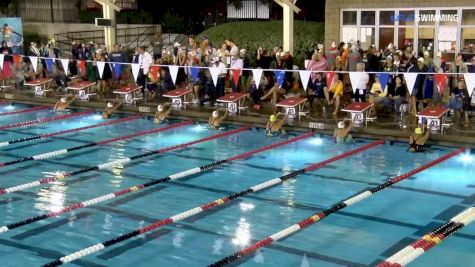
pixel 181 216
pixel 63 175
pixel 430 240
pixel 38 108
pixel 338 206
pixel 139 187
pixel 44 120
pixel 56 153
pixel 48 135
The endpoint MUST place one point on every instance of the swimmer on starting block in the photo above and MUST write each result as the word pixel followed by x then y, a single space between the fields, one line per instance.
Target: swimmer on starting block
pixel 162 112
pixel 215 119
pixel 274 126
pixel 64 103
pixel 111 108
pixel 418 140
pixel 342 133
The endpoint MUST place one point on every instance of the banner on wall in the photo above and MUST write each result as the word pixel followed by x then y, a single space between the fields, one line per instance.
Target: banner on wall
pixel 11 31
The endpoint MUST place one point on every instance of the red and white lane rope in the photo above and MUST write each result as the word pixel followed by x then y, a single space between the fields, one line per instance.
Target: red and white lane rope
pixel 63 175
pixel 430 240
pixel 318 216
pixel 44 120
pixel 149 184
pixel 48 135
pixel 181 216
pixel 38 108
pixel 59 152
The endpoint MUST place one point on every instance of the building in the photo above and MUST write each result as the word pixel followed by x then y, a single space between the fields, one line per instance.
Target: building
pixel 433 25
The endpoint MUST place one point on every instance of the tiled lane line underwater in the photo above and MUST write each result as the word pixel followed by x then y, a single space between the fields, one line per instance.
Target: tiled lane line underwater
pixel 202 208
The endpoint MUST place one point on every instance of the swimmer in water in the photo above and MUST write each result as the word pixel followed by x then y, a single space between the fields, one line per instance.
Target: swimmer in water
pixel 111 108
pixel 342 133
pixel 162 112
pixel 64 102
pixel 274 126
pixel 215 119
pixel 418 140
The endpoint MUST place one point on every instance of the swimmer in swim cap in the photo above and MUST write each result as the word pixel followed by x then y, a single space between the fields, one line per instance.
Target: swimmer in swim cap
pixel 111 108
pixel 274 126
pixel 342 133
pixel 216 119
pixel 418 140
pixel 64 102
pixel 162 112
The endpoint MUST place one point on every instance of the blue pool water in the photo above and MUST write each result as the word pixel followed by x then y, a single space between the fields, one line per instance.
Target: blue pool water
pixel 360 235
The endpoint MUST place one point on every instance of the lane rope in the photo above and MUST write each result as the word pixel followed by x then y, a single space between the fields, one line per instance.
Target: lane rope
pixel 63 175
pixel 24 110
pixel 430 240
pixel 48 135
pixel 44 120
pixel 139 187
pixel 319 216
pixel 181 216
pixel 59 152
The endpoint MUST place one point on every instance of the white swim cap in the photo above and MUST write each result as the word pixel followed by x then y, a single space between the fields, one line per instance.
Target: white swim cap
pixel 63 100
pixel 109 104
pixel 341 125
pixel 160 108
pixel 215 114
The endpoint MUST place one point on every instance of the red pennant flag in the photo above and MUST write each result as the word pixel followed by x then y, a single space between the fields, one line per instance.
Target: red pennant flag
pixel 236 74
pixel 440 82
pixel 329 76
pixel 16 59
pixel 154 71
pixel 82 66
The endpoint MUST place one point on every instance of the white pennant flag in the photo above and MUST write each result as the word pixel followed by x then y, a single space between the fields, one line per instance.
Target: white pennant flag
pixel 173 73
pixel 135 70
pixel 410 81
pixel 100 68
pixel 305 77
pixel 65 64
pixel 470 82
pixel 34 62
pixel 214 74
pixel 355 79
pixel 1 60
pixel 257 74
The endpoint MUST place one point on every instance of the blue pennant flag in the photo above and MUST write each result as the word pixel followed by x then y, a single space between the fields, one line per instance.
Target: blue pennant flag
pixel 117 69
pixel 194 74
pixel 383 79
pixel 49 64
pixel 279 76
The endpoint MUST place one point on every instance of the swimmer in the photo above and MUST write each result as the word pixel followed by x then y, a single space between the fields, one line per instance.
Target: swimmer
pixel 64 103
pixel 341 134
pixel 162 112
pixel 111 108
pixel 418 140
pixel 274 126
pixel 215 119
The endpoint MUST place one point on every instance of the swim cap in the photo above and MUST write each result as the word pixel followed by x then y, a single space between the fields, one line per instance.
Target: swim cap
pixel 418 130
pixel 273 118
pixel 160 108
pixel 109 105
pixel 63 100
pixel 341 125
pixel 215 114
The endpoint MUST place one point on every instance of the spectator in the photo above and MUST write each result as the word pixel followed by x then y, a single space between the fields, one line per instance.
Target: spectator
pixel 232 48
pixel 181 61
pixel 7 59
pixel 377 94
pixel 236 64
pixel 417 92
pixel 145 60
pixel 360 90
pixel 331 55
pixel 335 94
pixel 397 94
pixel 354 58
pixel 157 46
pixel 33 51
pixel 374 59
pixel 117 55
pixel 459 67
pixel 103 82
pixel 317 90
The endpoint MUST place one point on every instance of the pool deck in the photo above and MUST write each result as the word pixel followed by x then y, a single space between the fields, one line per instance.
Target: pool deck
pixel 385 126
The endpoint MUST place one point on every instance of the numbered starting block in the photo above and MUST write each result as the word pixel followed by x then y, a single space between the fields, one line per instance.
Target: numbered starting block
pixel 40 86
pixel 235 102
pixel 432 117
pixel 130 93
pixel 179 97
pixel 293 106
pixel 82 89
pixel 358 112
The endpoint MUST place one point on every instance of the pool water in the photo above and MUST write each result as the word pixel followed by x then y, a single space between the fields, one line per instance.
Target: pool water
pixel 360 235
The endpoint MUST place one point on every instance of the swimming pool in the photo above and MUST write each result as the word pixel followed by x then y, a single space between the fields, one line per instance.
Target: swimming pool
pixel 361 235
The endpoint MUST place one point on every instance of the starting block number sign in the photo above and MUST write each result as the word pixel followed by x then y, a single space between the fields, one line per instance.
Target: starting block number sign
pixel 83 96
pixel 357 117
pixel 433 124
pixel 39 91
pixel 9 96
pixel 176 102
pixel 290 113
pixel 232 107
pixel 129 99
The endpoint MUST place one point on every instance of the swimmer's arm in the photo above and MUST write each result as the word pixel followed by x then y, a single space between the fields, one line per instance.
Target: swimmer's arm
pixel 222 118
pixel 348 129
pixel 210 121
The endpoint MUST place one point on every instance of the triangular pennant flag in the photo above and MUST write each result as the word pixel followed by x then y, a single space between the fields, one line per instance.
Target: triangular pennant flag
pixel 236 74
pixel 194 73
pixel 383 79
pixel 82 67
pixel 100 68
pixel 329 76
pixel 410 80
pixel 16 59
pixel 1 60
pixel 257 74
pixel 279 76
pixel 305 77
pixel 49 64
pixel 173 73
pixel 214 74
pixel 470 82
pixel 135 70
pixel 440 82
pixel 65 64
pixel 355 79
pixel 34 62
pixel 153 70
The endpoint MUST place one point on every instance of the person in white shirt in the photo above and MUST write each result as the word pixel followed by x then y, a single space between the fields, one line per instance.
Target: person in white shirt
pixel 233 49
pixel 236 63
pixel 145 61
pixel 361 86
